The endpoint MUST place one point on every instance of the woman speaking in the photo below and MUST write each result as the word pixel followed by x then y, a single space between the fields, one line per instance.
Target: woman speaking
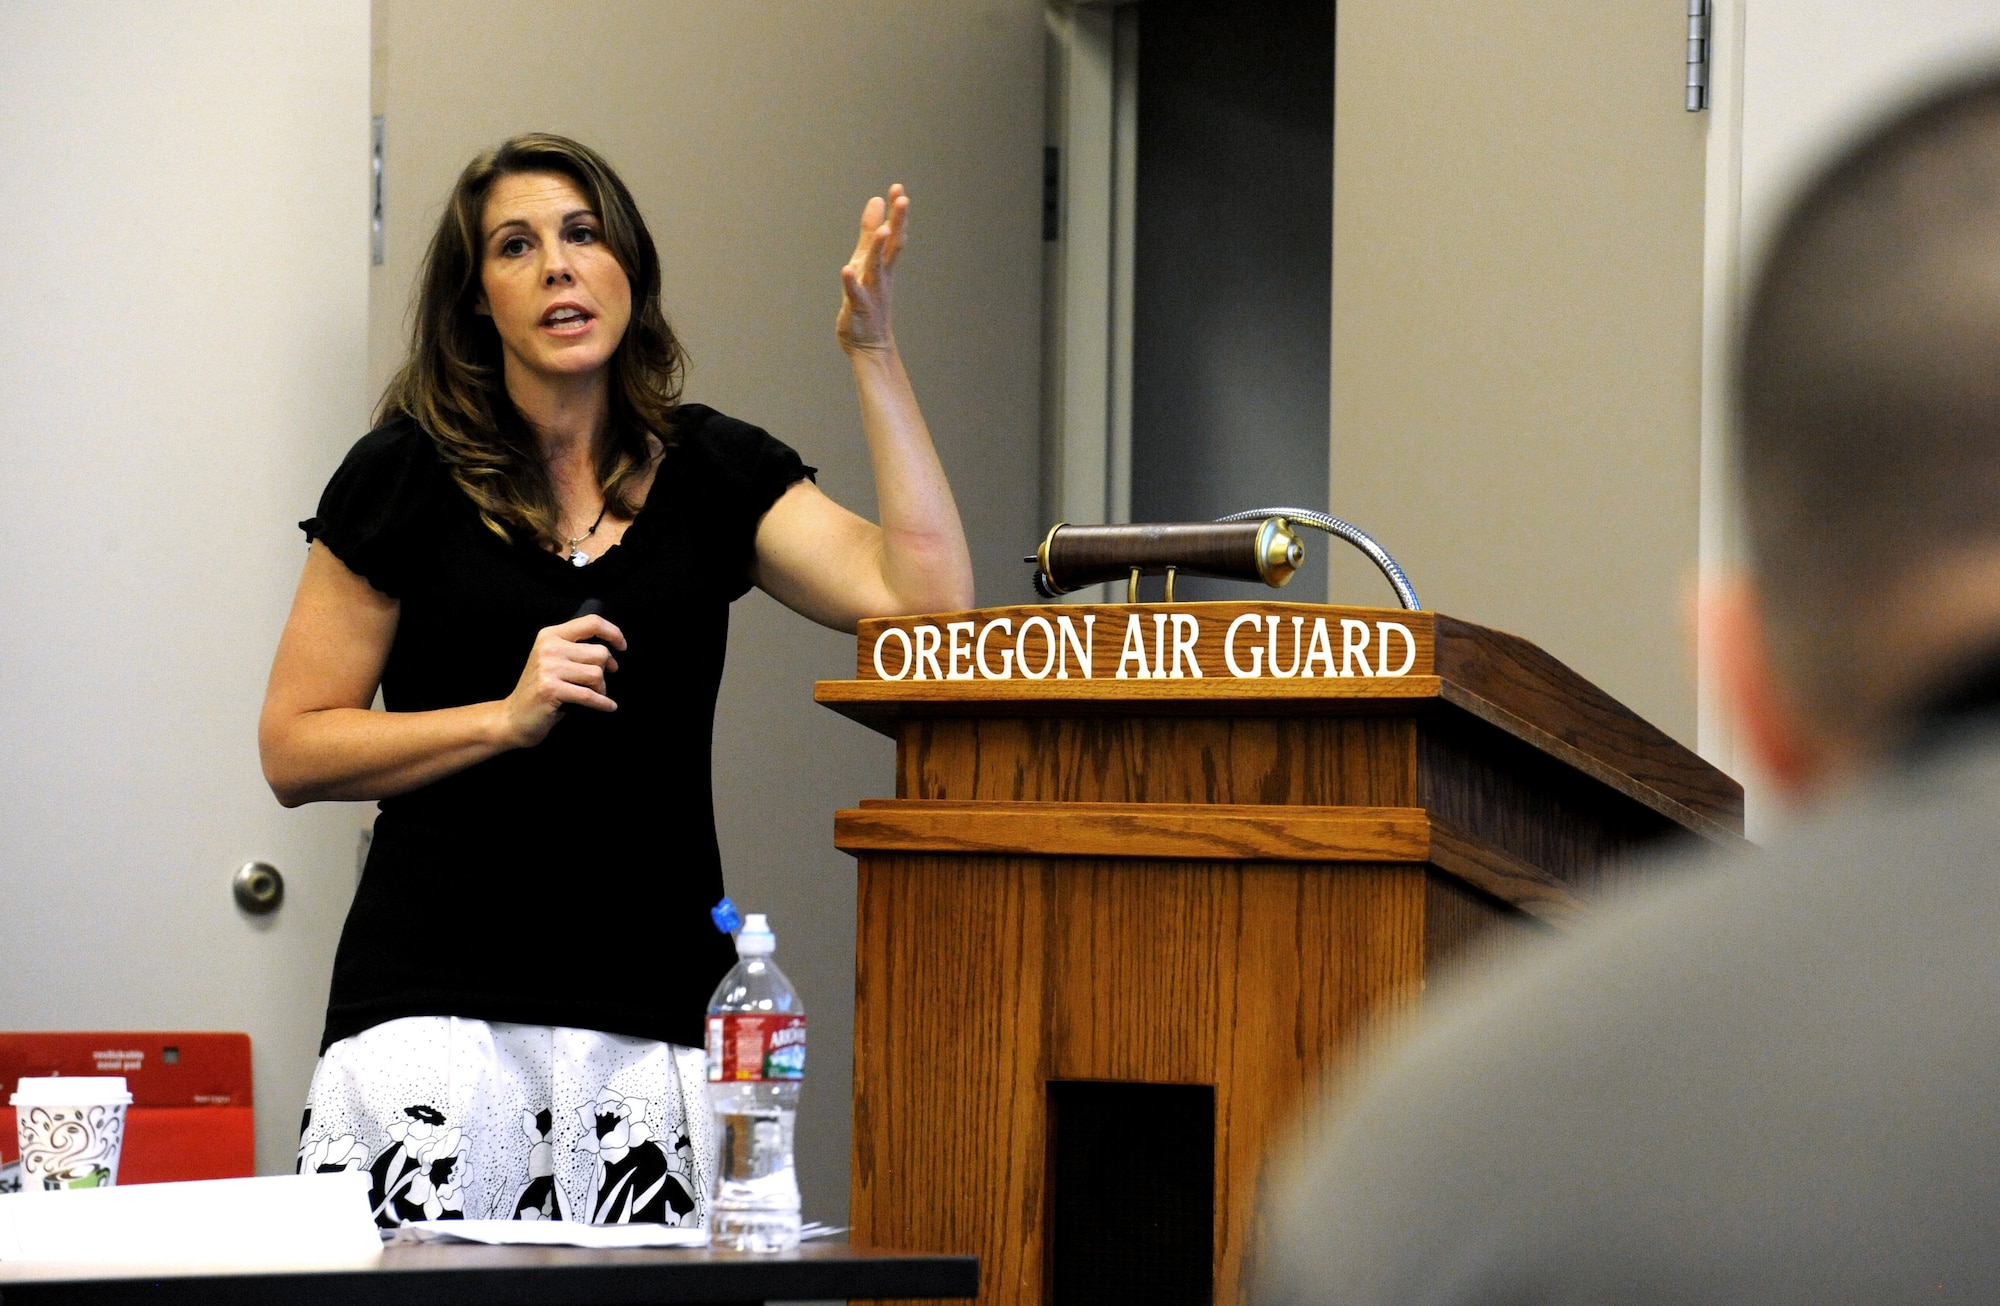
pixel 522 979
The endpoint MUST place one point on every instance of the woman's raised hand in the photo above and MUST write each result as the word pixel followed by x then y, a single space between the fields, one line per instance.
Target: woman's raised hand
pixel 561 670
pixel 863 323
pixel 816 557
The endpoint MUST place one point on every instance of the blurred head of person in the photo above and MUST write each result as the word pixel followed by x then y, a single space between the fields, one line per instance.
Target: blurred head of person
pixel 1868 407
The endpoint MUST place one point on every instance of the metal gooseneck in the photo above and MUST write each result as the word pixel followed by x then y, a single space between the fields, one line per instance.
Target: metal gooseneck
pixel 1354 535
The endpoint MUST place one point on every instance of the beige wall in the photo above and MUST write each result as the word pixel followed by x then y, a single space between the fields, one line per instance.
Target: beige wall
pixel 1517 317
pixel 751 133
pixel 187 207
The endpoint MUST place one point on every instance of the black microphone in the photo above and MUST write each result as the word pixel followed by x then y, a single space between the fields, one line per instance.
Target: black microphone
pixel 591 608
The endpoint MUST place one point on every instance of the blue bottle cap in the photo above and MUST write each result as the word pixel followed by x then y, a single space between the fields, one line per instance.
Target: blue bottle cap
pixel 725 917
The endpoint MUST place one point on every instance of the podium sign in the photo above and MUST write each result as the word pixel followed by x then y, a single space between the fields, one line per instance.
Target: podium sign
pixel 1194 641
pixel 1200 845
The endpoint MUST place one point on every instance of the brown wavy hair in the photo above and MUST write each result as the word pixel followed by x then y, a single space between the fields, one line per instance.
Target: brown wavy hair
pixel 452 382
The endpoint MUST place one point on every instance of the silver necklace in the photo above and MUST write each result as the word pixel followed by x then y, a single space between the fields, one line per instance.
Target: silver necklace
pixel 576 556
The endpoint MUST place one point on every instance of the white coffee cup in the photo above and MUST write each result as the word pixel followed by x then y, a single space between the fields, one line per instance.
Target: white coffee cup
pixel 71 1128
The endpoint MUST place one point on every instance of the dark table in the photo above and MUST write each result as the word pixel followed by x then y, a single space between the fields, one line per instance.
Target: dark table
pixel 462 1274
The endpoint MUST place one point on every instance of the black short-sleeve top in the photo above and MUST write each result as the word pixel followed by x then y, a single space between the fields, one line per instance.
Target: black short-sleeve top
pixel 569 883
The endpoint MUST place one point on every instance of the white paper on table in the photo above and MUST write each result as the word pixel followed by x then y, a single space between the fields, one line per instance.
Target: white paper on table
pixel 813 1229
pixel 284 1222
pixel 550 1233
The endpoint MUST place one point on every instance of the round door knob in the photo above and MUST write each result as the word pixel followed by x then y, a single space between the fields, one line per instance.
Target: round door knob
pixel 258 888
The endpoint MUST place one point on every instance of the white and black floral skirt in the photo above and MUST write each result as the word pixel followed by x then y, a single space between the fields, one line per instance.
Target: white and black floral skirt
pixel 462 1119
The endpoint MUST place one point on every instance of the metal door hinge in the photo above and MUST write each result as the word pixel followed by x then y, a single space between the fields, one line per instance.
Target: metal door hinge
pixel 1697 56
pixel 380 130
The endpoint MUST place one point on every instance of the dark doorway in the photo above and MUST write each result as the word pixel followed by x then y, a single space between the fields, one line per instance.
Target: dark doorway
pixel 1233 266
pixel 1132 1178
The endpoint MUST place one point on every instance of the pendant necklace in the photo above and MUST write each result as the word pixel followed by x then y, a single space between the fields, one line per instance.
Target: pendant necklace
pixel 576 556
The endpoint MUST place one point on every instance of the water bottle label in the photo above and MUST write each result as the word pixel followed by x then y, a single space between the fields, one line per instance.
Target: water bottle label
pixel 756 1045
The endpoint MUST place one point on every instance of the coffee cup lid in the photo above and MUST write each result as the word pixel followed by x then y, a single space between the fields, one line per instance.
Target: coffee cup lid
pixel 72 1090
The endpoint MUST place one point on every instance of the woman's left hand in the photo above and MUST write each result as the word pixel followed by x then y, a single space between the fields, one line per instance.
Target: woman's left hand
pixel 863 324
pixel 816 557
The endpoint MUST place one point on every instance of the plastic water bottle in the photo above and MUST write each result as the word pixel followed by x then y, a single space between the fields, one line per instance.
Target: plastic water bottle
pixel 756 1062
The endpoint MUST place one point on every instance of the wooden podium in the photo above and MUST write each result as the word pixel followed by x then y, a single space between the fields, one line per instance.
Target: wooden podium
pixel 1137 895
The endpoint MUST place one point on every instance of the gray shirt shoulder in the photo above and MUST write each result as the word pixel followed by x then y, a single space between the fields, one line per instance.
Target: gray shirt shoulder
pixel 1777 1080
